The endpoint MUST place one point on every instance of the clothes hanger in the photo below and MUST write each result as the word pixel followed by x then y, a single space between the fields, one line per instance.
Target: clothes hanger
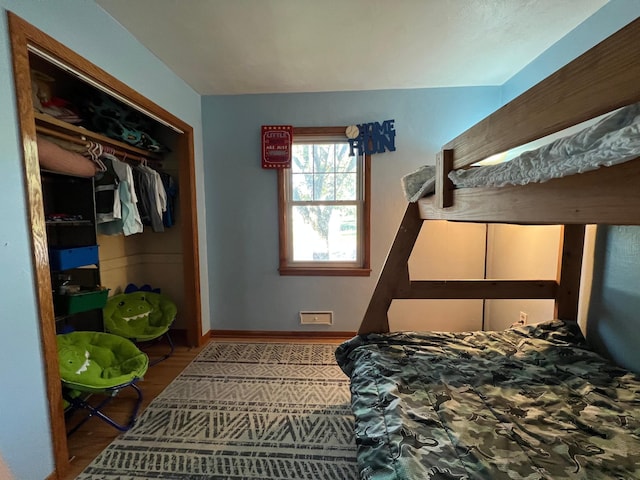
pixel 95 151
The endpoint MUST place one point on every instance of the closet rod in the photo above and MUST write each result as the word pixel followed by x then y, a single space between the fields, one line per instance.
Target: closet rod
pixel 85 143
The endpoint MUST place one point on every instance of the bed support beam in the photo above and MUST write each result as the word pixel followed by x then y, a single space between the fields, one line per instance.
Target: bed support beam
pixel 444 186
pixel 394 278
pixel 569 271
pixel 394 281
pixel 481 289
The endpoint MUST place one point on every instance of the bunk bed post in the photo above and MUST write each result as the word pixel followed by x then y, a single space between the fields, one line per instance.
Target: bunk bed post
pixel 444 186
pixel 569 270
pixel 394 277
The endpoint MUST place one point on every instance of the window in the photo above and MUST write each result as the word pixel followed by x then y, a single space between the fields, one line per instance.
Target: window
pixel 324 206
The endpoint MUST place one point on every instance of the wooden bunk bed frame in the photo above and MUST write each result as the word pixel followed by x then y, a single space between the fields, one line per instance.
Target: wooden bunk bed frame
pixel 603 79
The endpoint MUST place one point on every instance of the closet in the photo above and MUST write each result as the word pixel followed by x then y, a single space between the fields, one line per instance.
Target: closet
pixel 61 207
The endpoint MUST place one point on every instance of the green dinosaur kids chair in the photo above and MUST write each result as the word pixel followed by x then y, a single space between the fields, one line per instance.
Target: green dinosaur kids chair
pixel 140 316
pixel 99 363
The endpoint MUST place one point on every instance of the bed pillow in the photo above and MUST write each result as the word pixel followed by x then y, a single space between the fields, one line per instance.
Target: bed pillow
pixel 420 183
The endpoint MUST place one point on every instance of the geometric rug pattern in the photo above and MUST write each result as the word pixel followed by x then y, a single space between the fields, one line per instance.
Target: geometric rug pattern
pixel 242 411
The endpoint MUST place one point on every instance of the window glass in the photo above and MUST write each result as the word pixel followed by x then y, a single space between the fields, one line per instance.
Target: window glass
pixel 324 211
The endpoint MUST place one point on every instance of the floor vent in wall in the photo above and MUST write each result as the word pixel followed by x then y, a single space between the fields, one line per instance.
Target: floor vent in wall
pixel 316 318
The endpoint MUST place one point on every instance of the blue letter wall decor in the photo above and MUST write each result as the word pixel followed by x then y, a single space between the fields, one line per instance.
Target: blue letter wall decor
pixel 372 138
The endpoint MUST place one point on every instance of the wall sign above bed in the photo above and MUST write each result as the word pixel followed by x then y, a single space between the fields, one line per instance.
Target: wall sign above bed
pixel 370 138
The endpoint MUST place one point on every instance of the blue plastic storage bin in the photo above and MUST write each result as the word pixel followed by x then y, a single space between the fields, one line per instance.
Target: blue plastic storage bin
pixel 66 258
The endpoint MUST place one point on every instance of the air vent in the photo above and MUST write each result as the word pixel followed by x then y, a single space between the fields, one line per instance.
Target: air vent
pixel 316 318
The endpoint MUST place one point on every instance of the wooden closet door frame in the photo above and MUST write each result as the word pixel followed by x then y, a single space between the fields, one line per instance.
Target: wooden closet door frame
pixel 22 36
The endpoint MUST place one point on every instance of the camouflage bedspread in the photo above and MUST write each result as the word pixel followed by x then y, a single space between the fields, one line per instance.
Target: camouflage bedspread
pixel 527 403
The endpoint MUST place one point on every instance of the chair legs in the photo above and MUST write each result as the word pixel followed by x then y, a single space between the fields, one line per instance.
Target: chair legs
pixel 79 402
pixel 166 355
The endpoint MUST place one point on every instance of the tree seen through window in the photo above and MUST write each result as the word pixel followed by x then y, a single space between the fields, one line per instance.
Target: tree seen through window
pixel 324 201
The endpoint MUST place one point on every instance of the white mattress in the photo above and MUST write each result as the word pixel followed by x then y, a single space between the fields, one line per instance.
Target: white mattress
pixel 612 140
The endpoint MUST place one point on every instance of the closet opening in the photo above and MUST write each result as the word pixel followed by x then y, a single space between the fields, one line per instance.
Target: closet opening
pixel 56 90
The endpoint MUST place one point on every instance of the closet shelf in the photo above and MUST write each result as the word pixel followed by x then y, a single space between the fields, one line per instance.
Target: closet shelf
pixel 48 125
pixel 69 223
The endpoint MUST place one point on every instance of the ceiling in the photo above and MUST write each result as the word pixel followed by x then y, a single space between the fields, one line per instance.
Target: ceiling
pixel 282 46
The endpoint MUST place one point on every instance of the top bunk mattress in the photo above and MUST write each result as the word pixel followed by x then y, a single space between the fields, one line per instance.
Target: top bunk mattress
pixel 612 140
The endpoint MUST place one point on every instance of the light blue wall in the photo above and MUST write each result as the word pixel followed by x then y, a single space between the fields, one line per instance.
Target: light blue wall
pixel 240 208
pixel 246 289
pixel 84 27
pixel 612 324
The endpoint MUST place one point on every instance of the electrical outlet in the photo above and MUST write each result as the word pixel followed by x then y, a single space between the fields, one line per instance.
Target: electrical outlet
pixel 523 318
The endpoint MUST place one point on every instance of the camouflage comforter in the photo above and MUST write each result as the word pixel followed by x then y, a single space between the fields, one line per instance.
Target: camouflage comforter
pixel 526 403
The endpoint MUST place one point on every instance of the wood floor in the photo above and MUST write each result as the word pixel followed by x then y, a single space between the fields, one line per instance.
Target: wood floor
pixel 91 438
pixel 95 435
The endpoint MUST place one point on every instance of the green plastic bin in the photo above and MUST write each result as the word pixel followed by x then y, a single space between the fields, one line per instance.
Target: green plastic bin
pixel 82 301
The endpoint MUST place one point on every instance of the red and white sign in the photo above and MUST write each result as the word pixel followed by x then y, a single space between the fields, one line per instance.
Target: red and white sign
pixel 276 146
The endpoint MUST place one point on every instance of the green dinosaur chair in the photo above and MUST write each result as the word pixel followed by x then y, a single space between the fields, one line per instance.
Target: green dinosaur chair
pixel 140 316
pixel 99 363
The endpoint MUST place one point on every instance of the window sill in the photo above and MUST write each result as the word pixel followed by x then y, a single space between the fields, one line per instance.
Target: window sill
pixel 325 272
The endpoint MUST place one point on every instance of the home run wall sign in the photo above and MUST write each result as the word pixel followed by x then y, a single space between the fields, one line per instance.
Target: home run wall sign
pixel 370 138
pixel 276 146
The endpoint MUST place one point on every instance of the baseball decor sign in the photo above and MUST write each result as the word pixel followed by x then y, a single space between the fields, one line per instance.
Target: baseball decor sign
pixel 370 138
pixel 276 146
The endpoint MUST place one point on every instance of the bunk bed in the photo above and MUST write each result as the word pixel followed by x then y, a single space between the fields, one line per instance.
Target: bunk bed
pixel 531 402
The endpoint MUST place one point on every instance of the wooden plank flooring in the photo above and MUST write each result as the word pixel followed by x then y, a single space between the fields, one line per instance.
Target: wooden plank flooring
pixel 91 438
pixel 95 435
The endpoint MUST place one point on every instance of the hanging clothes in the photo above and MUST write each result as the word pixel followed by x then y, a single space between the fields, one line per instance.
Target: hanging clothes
pixel 129 222
pixel 115 187
pixel 142 187
pixel 160 194
pixel 108 207
pixel 171 188
pixel 152 196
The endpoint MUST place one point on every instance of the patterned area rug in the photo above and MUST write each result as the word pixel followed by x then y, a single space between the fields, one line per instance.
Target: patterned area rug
pixel 242 411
